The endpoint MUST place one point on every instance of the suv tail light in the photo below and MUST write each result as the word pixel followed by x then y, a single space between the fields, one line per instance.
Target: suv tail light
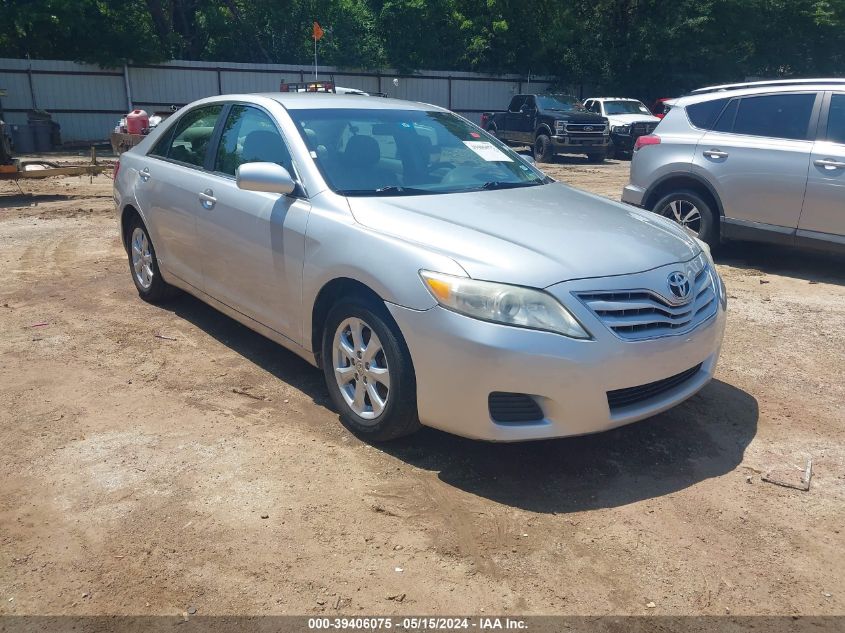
pixel 648 139
pixel 116 169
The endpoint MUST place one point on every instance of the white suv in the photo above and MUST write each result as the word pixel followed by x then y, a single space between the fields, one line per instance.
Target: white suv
pixel 760 161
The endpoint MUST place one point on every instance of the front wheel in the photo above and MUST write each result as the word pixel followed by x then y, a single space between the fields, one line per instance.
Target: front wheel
pixel 368 371
pixel 596 157
pixel 543 151
pixel 691 211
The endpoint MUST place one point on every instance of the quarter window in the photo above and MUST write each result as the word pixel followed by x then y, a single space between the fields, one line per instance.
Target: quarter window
pixel 776 116
pixel 193 134
pixel 703 115
pixel 836 119
pixel 250 136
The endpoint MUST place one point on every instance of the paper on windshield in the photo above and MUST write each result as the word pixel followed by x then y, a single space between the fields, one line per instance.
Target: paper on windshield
pixel 488 151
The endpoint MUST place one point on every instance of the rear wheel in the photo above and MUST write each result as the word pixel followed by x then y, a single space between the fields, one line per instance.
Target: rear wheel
pixel 143 264
pixel 543 151
pixel 368 371
pixel 691 211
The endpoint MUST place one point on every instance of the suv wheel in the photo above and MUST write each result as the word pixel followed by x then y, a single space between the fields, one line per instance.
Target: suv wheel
pixel 543 152
pixel 690 210
pixel 368 371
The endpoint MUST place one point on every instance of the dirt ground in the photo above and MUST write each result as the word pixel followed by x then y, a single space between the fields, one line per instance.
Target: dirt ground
pixel 161 458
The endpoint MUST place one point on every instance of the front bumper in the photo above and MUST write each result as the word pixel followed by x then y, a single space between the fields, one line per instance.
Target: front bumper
pixel 459 361
pixel 622 142
pixel 563 143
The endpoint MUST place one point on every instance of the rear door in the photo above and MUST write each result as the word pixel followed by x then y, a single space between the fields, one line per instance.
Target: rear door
pixel 253 243
pixel 823 216
pixel 167 191
pixel 513 118
pixel 757 155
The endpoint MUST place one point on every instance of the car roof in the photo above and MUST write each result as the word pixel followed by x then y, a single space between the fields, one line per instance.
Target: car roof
pixel 758 88
pixel 612 99
pixel 770 83
pixel 324 100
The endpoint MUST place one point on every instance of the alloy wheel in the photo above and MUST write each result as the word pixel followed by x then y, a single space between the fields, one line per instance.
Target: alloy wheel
pixel 684 213
pixel 360 368
pixel 142 258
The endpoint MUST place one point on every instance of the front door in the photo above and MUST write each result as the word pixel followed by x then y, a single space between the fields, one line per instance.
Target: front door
pixel 824 202
pixel 757 156
pixel 253 243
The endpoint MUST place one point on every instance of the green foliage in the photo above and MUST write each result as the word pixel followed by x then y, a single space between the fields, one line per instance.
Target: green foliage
pixel 640 47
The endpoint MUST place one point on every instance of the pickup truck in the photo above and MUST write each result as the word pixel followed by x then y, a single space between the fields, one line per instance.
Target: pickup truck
pixel 550 124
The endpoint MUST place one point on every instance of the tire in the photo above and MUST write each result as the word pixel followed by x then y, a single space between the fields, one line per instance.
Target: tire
pixel 543 151
pixel 369 318
pixel 143 264
pixel 680 206
pixel 596 158
pixel 612 152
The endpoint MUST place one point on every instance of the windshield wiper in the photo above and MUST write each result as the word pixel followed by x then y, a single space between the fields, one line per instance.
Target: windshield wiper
pixel 495 184
pixel 390 190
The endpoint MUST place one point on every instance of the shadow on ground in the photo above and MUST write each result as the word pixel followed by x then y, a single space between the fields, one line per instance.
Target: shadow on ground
pixel 702 438
pixel 780 260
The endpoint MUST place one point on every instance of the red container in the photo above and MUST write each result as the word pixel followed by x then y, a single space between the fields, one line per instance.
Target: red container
pixel 137 122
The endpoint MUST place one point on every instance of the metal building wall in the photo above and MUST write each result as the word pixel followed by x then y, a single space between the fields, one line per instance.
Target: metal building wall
pixel 87 101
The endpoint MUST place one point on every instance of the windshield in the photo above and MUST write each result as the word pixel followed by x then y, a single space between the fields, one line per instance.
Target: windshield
pixel 562 103
pixel 624 107
pixel 368 152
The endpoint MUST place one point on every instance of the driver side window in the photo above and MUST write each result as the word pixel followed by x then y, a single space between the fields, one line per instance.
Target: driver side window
pixel 250 136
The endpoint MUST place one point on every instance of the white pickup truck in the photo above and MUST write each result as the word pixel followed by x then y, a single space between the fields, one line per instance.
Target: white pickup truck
pixel 629 119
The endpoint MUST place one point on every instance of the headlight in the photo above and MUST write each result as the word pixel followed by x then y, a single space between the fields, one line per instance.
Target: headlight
pixel 503 303
pixel 622 129
pixel 560 126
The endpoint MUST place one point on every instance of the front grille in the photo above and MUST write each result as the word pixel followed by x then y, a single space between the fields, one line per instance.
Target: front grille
pixel 641 314
pixel 513 407
pixel 619 398
pixel 581 128
pixel 641 129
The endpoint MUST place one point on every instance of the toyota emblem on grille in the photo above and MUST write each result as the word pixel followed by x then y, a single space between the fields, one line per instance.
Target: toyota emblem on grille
pixel 588 128
pixel 679 285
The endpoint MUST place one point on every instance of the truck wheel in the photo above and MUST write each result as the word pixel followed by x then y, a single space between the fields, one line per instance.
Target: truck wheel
pixel 543 152
pixel 492 129
pixel 612 152
pixel 596 158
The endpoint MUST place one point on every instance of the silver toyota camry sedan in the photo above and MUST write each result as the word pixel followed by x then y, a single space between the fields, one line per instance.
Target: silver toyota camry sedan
pixel 437 277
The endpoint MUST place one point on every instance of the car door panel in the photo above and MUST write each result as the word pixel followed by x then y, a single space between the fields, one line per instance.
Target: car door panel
pixel 758 162
pixel 253 242
pixel 824 202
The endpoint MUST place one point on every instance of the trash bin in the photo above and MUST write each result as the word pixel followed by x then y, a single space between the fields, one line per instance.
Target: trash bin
pixel 41 133
pixel 23 139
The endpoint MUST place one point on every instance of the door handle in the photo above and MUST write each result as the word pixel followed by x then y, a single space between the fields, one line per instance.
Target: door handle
pixel 829 163
pixel 207 199
pixel 144 174
pixel 715 153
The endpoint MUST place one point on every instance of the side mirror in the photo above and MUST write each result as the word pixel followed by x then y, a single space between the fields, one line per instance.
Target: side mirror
pixel 267 177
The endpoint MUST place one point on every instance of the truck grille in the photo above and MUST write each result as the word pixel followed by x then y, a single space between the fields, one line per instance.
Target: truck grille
pixel 641 129
pixel 642 314
pixel 619 398
pixel 596 129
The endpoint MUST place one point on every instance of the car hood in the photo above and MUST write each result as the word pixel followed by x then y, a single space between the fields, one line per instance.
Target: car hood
pixel 575 117
pixel 625 119
pixel 531 236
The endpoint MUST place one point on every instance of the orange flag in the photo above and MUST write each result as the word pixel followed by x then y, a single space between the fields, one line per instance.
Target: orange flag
pixel 318 32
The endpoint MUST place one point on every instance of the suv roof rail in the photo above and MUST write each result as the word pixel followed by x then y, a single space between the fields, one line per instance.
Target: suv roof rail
pixel 771 82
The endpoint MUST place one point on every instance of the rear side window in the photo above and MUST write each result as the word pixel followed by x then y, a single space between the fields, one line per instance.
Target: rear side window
pixel 250 136
pixel 775 116
pixel 836 119
pixel 725 123
pixel 703 115
pixel 516 103
pixel 193 134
